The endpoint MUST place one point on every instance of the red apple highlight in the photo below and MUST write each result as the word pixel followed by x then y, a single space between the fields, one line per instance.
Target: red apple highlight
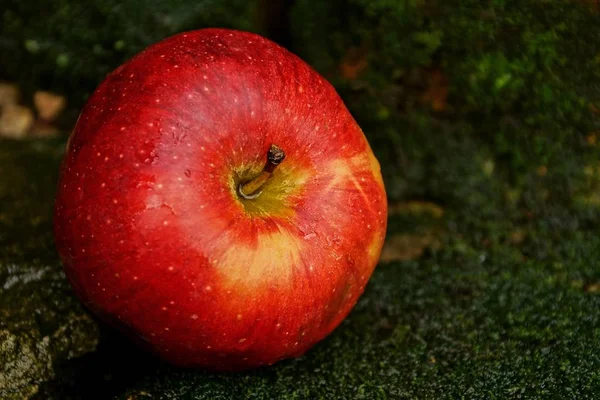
pixel 175 225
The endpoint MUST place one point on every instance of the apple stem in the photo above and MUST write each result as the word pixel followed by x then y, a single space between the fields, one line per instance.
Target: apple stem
pixel 251 189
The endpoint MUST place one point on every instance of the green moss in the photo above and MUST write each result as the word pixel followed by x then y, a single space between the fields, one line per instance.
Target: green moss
pixel 70 45
pixel 506 305
pixel 516 71
pixel 466 323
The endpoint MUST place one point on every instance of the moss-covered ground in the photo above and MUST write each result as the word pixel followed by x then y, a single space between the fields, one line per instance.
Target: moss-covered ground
pixel 485 116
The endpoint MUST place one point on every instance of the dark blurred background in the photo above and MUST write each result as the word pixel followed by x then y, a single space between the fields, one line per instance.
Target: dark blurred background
pixel 492 68
pixel 485 116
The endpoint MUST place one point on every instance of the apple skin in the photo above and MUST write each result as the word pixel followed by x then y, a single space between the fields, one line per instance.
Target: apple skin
pixel 153 235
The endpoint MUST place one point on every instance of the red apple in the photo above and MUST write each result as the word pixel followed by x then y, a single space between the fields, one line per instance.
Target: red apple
pixel 153 231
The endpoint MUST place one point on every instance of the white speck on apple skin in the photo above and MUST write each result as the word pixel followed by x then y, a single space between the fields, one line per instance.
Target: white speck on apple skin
pixel 194 316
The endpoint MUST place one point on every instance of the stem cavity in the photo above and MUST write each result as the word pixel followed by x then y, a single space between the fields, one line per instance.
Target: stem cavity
pixel 252 189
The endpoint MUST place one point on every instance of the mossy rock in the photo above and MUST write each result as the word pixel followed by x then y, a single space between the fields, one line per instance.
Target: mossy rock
pixel 485 116
pixel 474 318
pixel 41 323
pixel 520 76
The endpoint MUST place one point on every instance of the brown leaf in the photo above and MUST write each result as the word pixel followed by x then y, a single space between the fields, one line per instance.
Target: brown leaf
pixel 48 105
pixel 436 94
pixel 15 121
pixel 542 170
pixel 592 288
pixel 517 236
pixel 9 94
pixel 403 247
pixel 416 207
pixel 353 63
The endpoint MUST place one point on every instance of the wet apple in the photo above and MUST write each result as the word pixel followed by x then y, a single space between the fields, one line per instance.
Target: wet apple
pixel 218 203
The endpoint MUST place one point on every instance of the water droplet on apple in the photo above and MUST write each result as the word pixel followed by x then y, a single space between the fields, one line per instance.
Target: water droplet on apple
pixel 153 201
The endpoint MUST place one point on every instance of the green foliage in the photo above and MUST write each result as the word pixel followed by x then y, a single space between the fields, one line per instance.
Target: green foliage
pixel 517 72
pixel 69 45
